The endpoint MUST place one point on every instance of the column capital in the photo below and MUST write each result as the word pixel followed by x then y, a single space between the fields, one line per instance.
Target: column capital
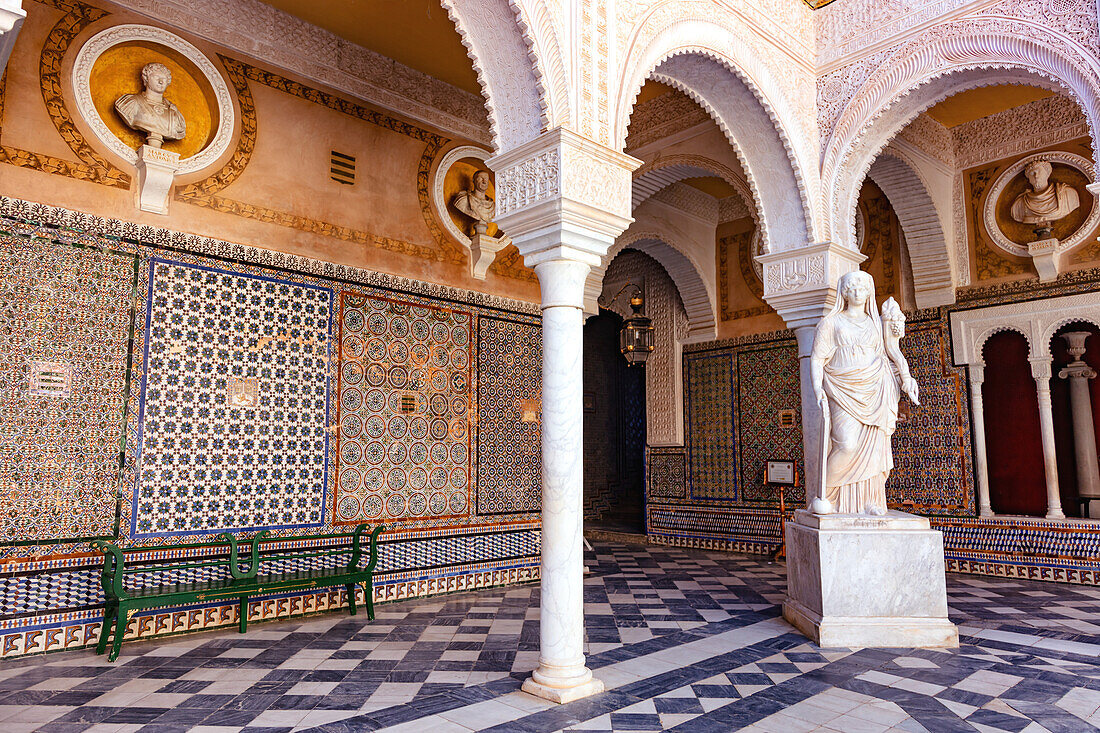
pixel 1041 369
pixel 563 196
pixel 801 283
pixel 977 373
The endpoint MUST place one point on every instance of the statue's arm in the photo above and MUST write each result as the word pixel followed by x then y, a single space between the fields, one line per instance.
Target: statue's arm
pixel 824 346
pixel 893 351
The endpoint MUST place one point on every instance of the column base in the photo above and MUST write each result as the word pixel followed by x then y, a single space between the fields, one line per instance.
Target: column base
pixel 563 695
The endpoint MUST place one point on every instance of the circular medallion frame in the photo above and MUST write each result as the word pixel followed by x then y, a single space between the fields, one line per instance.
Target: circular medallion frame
pixel 989 208
pixel 438 198
pixel 130 33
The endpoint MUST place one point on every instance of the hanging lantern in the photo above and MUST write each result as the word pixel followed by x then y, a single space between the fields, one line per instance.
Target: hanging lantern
pixel 636 339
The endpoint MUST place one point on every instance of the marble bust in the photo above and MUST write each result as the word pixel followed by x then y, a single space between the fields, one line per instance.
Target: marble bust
pixel 149 112
pixel 1046 202
pixel 858 374
pixel 475 203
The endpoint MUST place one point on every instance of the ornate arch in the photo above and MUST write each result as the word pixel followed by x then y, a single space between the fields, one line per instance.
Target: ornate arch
pixel 518 70
pixel 697 298
pixel 667 170
pixel 728 78
pixel 959 56
pixel 929 253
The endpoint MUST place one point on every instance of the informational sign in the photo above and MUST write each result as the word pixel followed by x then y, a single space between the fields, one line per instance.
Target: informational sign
pixel 779 472
pixel 50 379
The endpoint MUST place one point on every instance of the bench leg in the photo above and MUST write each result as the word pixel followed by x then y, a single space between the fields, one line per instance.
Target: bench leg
pixel 242 615
pixel 350 588
pixel 109 615
pixel 368 594
pixel 120 631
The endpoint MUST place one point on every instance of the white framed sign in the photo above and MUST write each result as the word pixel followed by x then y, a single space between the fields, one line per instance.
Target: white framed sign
pixel 779 472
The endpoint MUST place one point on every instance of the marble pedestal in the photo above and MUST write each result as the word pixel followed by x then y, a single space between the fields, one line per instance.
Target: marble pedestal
pixel 856 580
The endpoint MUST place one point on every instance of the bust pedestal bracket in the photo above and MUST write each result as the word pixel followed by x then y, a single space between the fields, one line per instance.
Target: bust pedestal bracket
pixel 156 172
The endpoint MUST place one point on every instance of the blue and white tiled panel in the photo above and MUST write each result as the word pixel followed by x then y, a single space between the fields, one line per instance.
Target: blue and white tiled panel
pixel 1064 551
pixel 739 530
pixel 64 590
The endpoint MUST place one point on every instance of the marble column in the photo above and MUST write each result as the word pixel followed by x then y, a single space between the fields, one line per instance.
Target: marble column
pixel 563 200
pixel 1084 432
pixel 977 425
pixel 12 16
pixel 561 674
pixel 1040 371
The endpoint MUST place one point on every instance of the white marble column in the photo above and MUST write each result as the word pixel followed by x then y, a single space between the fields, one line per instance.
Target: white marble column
pixel 1084 432
pixel 12 16
pixel 563 200
pixel 977 425
pixel 561 674
pixel 1040 371
pixel 812 425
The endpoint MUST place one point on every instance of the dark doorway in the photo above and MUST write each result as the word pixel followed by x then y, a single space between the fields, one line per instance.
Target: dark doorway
pixel 614 430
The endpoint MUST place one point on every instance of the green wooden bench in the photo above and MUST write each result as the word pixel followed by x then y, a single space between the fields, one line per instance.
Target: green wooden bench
pixel 232 582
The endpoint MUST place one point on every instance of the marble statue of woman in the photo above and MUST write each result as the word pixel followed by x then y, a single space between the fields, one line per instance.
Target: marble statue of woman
pixel 149 112
pixel 1046 202
pixel 476 203
pixel 858 374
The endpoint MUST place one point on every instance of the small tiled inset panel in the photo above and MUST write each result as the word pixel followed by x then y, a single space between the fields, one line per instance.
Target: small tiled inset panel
pixel 207 464
pixel 665 476
pixel 65 317
pixel 509 455
pixel 758 525
pixel 768 383
pixel 932 463
pixel 711 444
pixel 404 411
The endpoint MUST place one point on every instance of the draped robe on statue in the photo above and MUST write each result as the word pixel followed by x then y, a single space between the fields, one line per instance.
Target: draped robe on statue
pixel 863 392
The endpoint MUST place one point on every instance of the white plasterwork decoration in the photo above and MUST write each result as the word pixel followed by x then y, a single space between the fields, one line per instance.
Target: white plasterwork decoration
pixel 1036 320
pixel 989 210
pixel 119 34
pixel 481 257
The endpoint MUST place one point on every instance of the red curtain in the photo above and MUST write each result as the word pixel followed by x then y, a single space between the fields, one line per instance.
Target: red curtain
pixel 1017 484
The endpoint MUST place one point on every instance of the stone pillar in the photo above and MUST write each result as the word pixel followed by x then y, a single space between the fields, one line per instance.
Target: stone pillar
pixel 11 20
pixel 1084 432
pixel 563 199
pixel 800 284
pixel 1040 371
pixel 977 425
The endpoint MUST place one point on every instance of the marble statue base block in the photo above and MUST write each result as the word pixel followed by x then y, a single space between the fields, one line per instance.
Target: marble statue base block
pixel 857 580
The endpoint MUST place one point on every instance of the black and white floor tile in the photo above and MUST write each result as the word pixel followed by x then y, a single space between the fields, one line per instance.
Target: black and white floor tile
pixel 683 640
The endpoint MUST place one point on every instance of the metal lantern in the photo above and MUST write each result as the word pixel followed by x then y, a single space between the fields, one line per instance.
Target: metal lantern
pixel 636 339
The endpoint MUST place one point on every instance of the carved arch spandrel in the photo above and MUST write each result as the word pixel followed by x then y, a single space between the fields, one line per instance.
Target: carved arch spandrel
pixel 521 77
pixel 948 59
pixel 727 77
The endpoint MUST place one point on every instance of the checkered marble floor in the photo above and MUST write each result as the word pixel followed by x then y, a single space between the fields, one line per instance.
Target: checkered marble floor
pixel 683 640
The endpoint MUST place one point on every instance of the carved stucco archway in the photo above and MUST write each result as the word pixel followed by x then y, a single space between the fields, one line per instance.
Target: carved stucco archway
pixel 966 55
pixel 697 298
pixel 518 61
pixel 729 80
pixel 667 170
pixel 929 254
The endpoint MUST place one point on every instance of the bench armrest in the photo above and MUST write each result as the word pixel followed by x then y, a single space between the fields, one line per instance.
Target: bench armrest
pixel 111 577
pixel 357 548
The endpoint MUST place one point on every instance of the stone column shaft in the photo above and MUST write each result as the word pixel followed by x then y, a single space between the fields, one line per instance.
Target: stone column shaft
pixel 1040 370
pixel 977 426
pixel 1084 431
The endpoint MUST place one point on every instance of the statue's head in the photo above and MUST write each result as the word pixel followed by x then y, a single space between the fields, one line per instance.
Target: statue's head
pixel 856 287
pixel 156 77
pixel 481 181
pixel 1038 173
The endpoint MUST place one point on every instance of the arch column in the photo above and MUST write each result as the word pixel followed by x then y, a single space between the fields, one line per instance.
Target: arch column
pixel 801 285
pixel 12 16
pixel 1041 372
pixel 563 199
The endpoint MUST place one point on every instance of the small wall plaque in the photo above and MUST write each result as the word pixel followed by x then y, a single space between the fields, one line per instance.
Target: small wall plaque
pixel 779 472
pixel 51 379
pixel 786 418
pixel 243 392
